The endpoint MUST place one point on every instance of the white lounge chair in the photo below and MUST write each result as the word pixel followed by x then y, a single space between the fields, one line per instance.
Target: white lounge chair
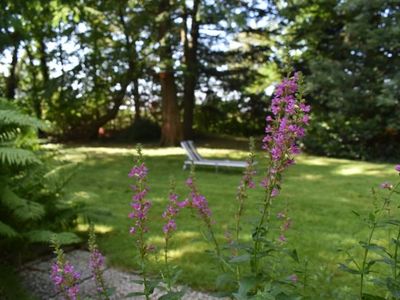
pixel 196 159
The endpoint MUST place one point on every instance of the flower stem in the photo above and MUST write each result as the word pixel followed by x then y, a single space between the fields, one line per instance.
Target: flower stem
pixel 267 205
pixel 362 269
pixel 396 249
pixel 168 273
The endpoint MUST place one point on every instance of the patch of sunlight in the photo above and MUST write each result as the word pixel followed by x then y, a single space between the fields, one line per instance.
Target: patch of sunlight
pixel 52 146
pixel 311 177
pixel 181 235
pixel 358 169
pixel 190 247
pixel 336 237
pixel 123 151
pixel 97 228
pixel 341 199
pixel 83 196
pixel 313 161
pixel 74 157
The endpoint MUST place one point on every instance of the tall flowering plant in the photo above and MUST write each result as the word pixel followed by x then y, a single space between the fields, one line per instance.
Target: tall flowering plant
pixel 140 206
pixel 199 204
pixel 63 275
pixel 285 126
pixel 96 265
pixel 174 206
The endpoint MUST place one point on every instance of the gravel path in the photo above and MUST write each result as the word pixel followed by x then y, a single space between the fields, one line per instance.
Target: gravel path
pixel 36 278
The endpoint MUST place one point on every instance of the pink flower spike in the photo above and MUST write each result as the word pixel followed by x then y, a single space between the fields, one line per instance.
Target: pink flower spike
pixel 397 168
pixel 282 238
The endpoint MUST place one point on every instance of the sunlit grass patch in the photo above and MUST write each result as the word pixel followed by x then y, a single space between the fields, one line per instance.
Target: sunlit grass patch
pixel 319 192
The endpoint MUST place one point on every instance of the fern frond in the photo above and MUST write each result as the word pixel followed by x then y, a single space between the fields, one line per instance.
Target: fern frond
pixel 17 157
pixel 30 211
pixel 9 134
pixel 21 208
pixel 14 117
pixel 7 231
pixel 61 175
pixel 44 236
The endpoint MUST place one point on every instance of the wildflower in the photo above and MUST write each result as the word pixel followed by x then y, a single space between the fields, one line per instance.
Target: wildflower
pixel 293 278
pixel 282 238
pixel 397 168
pixel 171 211
pixel 281 215
pixel 65 278
pixel 140 206
pixel 170 226
pixel 386 185
pixel 139 171
pixel 96 263
pixel 275 192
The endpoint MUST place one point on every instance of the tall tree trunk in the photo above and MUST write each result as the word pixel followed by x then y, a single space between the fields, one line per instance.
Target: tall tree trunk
pixel 43 61
pixel 171 127
pixel 133 63
pixel 11 83
pixel 191 70
pixel 136 98
pixel 45 80
pixel 36 100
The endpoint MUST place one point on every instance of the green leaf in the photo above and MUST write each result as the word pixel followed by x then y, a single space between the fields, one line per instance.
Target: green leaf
pixel 44 236
pixel 134 294
pixel 366 296
pixel 17 157
pixel 7 231
pixel 30 211
pixel 246 284
pixel 293 254
pixel 372 246
pixel 21 208
pixel 224 280
pixel 172 296
pixel 348 269
pixel 240 259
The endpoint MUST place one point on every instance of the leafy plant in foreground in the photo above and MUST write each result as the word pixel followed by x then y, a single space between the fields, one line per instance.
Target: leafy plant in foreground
pixel 31 209
pixel 379 257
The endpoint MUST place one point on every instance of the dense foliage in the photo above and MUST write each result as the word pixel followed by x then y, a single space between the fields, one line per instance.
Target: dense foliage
pixel 349 51
pixel 205 66
pixel 31 193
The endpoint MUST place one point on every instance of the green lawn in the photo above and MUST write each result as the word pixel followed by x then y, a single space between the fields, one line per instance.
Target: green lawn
pixel 321 194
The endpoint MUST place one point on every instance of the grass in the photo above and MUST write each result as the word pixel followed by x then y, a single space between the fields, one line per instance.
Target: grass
pixel 320 193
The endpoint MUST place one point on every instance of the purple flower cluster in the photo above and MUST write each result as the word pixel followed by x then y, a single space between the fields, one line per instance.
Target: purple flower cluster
pixel 387 185
pixel 285 225
pixel 140 206
pixel 284 128
pixel 96 264
pixel 171 211
pixel 66 279
pixel 139 171
pixel 198 201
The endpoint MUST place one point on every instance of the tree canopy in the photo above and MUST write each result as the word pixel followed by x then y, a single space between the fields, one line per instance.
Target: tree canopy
pixel 205 66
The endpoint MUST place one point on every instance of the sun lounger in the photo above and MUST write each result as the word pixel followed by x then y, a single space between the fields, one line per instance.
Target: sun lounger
pixel 196 159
